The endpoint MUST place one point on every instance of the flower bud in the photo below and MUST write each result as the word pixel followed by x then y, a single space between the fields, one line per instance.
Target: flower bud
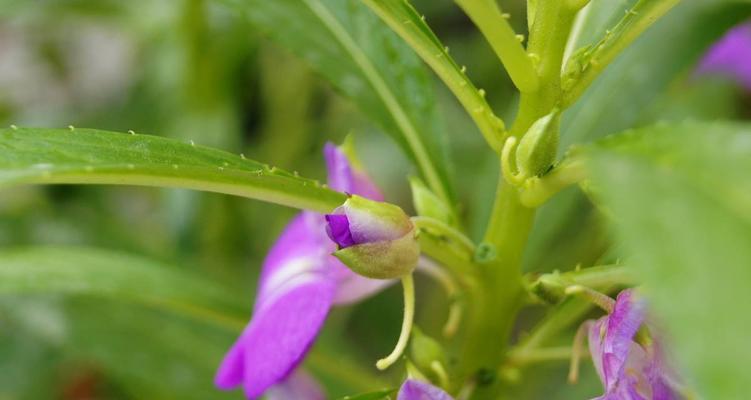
pixel 375 239
pixel 427 204
pixel 425 352
pixel 537 148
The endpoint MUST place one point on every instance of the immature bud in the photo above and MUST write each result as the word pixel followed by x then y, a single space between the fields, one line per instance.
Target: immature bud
pixel 427 204
pixel 426 351
pixel 375 239
pixel 537 148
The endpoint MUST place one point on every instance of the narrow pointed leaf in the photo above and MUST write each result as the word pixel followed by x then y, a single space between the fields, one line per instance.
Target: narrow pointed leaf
pixel 109 274
pixel 364 60
pixel 404 20
pixel 86 156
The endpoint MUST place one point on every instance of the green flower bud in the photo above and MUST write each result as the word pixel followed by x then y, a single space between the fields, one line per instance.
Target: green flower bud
pixel 427 204
pixel 376 239
pixel 537 148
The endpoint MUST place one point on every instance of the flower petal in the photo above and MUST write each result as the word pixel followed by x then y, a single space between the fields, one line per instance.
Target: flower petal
pixel 415 390
pixel 730 56
pixel 343 177
pixel 622 325
pixel 302 247
pixel 337 228
pixel 280 333
pixel 299 385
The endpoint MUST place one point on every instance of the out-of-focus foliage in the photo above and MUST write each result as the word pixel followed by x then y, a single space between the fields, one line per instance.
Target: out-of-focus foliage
pixel 679 194
pixel 245 77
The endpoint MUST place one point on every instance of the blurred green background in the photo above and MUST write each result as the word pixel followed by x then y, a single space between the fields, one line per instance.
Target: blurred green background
pixel 198 70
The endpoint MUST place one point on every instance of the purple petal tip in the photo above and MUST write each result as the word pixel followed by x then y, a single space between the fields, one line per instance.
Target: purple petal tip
pixel 337 227
pixel 416 390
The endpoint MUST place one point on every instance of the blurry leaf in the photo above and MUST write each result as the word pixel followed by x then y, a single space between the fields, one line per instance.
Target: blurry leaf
pixel 681 197
pixel 404 20
pixel 107 274
pixel 50 156
pixel 618 100
pixel 387 394
pixel 361 57
pixel 150 355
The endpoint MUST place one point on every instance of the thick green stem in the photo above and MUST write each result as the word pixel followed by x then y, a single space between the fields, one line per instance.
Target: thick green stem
pixel 501 293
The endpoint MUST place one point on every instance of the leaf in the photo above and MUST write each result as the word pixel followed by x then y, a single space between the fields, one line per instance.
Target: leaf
pixel 620 99
pixel 404 20
pixel 89 156
pixel 681 198
pixel 109 274
pixel 369 64
pixel 387 394
pixel 584 66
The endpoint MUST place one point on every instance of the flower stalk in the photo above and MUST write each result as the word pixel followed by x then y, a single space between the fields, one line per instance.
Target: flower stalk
pixel 409 314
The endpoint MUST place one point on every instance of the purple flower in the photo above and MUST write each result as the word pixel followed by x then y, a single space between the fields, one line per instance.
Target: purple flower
pixel 731 56
pixel 416 390
pixel 627 370
pixel 300 281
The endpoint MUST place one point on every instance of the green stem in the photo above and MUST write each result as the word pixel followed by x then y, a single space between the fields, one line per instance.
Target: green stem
pixel 444 230
pixel 588 66
pixel 495 27
pixel 500 296
pixel 540 355
pixel 538 190
pixel 456 261
pixel 552 287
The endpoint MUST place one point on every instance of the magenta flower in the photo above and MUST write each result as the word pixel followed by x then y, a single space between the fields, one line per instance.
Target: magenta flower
pixel 627 370
pixel 300 281
pixel 416 390
pixel 731 56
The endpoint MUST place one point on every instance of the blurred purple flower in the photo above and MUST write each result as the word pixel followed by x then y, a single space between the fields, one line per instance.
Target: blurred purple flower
pixel 627 370
pixel 730 56
pixel 300 281
pixel 415 390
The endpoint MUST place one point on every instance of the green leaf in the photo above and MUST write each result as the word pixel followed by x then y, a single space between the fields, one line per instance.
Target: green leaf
pixel 584 66
pixel 342 41
pixel 681 198
pixel 620 99
pixel 108 274
pixel 404 20
pixel 47 156
pixel 387 394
